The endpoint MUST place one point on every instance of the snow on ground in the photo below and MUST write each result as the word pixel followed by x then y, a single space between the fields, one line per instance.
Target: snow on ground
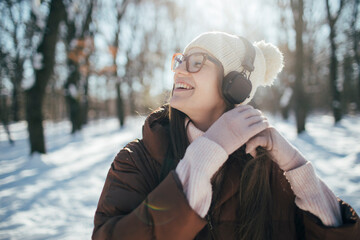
pixel 54 196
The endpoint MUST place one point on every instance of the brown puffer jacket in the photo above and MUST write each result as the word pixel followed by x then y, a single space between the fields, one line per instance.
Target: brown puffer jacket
pixel 134 204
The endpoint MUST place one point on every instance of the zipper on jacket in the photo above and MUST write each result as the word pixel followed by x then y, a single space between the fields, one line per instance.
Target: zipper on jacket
pixel 211 228
pixel 208 218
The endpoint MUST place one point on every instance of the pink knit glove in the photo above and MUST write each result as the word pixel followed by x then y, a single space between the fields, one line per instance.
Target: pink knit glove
pixel 235 127
pixel 311 193
pixel 283 152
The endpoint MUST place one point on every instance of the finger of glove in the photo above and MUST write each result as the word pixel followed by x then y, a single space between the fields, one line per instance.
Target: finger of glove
pixel 241 127
pixel 238 109
pixel 250 113
pixel 254 119
pixel 253 143
pixel 242 108
pixel 239 119
pixel 246 134
pixel 257 127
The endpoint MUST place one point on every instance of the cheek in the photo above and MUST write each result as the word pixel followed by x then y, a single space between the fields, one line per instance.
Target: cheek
pixel 210 90
pixel 213 86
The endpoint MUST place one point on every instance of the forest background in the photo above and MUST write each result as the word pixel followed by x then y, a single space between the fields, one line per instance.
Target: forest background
pixel 82 60
pixel 78 77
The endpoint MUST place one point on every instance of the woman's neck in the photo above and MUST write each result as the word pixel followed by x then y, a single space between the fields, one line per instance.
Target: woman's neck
pixel 204 121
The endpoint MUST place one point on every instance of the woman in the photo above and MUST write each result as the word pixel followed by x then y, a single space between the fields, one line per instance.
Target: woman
pixel 208 167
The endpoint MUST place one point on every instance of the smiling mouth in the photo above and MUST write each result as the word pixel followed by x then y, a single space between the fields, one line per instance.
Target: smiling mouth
pixel 183 86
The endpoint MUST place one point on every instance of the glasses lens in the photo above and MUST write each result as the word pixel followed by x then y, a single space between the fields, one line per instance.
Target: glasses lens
pixel 195 62
pixel 178 58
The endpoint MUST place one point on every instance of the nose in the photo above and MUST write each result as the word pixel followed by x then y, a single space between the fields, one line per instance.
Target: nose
pixel 181 69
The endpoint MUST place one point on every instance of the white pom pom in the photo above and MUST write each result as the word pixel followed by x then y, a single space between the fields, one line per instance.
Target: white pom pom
pixel 273 59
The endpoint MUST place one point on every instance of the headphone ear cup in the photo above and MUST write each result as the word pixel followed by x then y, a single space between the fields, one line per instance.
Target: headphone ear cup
pixel 236 87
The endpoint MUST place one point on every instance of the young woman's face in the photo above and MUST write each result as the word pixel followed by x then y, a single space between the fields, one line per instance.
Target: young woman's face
pixel 197 93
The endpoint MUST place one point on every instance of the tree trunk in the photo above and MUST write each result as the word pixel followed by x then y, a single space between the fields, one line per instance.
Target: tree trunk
pixel 87 33
pixel 119 99
pixel 349 95
pixel 299 93
pixel 74 113
pixel 356 39
pixel 132 103
pixel 75 104
pixel 15 104
pixel 18 76
pixel 358 98
pixel 73 97
pixel 286 102
pixel 120 105
pixel 336 102
pixel 35 95
pixel 85 106
pixel 4 116
pixel 34 116
pixel 72 81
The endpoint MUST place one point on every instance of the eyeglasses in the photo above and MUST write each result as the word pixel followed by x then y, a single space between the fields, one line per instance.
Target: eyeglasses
pixel 194 61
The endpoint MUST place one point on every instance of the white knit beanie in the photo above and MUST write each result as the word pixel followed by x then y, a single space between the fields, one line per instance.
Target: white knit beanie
pixel 230 51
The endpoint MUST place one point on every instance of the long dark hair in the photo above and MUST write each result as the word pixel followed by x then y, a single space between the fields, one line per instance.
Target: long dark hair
pixel 253 213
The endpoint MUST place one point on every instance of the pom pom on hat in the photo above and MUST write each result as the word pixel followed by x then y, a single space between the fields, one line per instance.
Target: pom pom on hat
pixel 230 51
pixel 273 61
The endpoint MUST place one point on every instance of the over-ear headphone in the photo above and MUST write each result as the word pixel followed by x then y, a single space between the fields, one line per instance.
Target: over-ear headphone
pixel 236 86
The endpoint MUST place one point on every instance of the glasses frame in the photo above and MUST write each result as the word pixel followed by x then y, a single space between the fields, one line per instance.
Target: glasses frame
pixel 205 57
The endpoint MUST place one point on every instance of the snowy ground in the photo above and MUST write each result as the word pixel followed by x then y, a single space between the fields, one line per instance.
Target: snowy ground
pixel 54 196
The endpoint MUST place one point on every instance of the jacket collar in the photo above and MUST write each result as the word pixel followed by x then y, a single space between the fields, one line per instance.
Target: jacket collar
pixel 156 135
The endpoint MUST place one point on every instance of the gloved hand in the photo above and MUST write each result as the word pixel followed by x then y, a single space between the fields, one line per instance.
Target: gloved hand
pixel 235 127
pixel 282 152
pixel 207 154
